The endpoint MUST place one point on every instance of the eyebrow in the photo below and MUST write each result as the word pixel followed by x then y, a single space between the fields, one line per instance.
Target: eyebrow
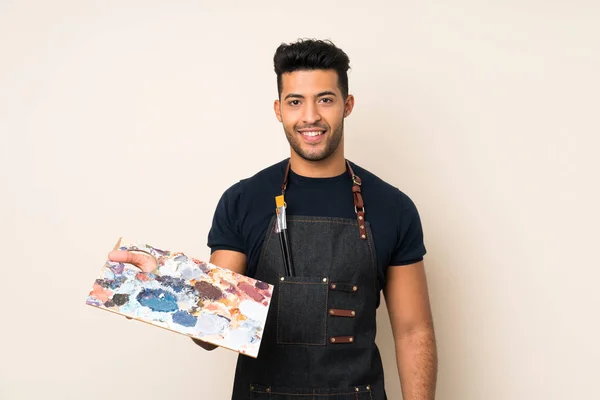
pixel 299 96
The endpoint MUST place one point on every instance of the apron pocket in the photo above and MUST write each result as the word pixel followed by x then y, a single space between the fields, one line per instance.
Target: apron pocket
pixel 302 310
pixel 264 392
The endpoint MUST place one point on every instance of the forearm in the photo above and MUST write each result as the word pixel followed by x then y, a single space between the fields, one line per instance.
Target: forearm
pixel 416 356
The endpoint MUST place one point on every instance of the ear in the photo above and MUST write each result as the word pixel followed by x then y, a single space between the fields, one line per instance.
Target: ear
pixel 277 109
pixel 348 105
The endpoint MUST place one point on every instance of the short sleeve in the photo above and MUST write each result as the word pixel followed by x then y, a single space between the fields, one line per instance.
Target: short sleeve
pixel 225 231
pixel 410 247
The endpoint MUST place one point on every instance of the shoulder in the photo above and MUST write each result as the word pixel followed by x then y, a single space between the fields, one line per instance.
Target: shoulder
pixel 381 192
pixel 259 181
pixel 272 173
pixel 395 220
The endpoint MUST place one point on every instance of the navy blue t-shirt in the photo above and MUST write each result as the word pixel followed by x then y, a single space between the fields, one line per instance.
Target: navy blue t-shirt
pixel 244 211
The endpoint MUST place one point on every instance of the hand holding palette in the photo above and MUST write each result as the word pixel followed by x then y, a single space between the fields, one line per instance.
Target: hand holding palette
pixel 187 296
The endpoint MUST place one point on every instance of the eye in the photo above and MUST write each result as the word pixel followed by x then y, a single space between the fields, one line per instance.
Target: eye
pixel 327 100
pixel 294 102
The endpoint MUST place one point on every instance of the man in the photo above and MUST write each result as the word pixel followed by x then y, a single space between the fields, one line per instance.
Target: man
pixel 351 236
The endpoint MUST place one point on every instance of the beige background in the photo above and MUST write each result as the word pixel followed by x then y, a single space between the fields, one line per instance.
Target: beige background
pixel 131 117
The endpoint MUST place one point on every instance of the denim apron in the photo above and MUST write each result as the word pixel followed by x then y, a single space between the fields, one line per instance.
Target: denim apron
pixel 319 339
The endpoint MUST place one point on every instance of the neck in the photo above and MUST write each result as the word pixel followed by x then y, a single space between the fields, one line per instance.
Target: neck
pixel 333 165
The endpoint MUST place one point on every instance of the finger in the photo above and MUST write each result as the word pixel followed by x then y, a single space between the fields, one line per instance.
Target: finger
pixel 119 256
pixel 129 257
pixel 145 262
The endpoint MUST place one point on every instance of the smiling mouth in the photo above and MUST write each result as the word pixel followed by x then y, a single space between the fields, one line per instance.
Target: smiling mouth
pixel 312 133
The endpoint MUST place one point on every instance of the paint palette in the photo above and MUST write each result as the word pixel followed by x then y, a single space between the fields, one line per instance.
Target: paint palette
pixel 187 296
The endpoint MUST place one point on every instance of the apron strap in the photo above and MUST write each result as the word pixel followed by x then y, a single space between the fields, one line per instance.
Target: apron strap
pixel 359 205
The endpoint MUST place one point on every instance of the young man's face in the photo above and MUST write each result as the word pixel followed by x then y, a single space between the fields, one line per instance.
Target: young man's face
pixel 312 111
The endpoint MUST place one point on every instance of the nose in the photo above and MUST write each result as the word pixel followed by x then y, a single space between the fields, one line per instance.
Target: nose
pixel 311 114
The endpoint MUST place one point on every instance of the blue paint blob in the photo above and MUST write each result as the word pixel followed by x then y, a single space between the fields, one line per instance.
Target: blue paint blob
pixel 158 300
pixel 184 318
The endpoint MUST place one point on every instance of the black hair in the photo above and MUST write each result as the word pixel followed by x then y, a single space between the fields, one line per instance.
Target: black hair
pixel 312 54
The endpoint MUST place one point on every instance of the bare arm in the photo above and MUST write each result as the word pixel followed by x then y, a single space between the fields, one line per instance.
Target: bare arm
pixel 407 300
pixel 232 260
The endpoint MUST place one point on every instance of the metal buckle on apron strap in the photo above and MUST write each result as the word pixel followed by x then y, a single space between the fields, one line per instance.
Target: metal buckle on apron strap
pixel 359 205
pixel 361 222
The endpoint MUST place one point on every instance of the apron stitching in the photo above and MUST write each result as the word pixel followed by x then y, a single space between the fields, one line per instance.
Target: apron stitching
pixel 272 393
pixel 375 276
pixel 303 344
pixel 278 307
pixel 326 320
pixel 322 221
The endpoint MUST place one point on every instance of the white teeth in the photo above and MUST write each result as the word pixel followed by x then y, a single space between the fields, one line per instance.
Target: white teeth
pixel 312 133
